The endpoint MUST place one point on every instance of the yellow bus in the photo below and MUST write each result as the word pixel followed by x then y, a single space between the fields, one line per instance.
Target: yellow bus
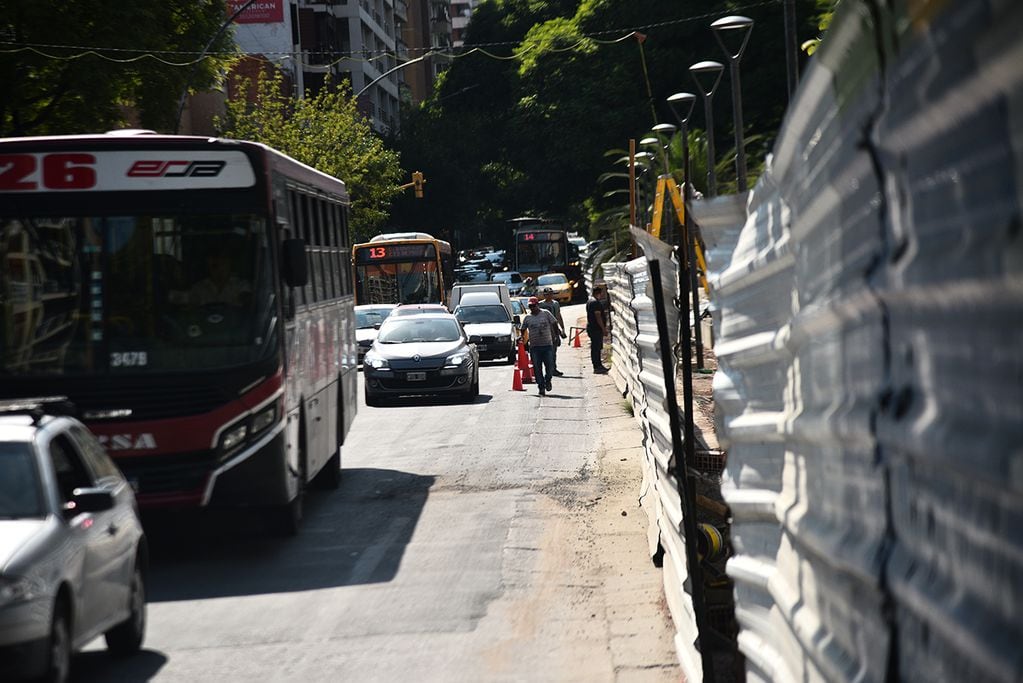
pixel 402 268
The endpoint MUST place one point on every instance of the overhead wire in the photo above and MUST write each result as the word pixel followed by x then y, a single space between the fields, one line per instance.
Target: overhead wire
pixel 108 53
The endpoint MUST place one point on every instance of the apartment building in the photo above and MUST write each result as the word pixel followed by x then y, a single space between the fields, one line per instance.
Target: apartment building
pixel 367 42
pixel 461 11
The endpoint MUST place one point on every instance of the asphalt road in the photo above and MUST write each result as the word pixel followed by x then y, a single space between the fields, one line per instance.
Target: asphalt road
pixel 460 547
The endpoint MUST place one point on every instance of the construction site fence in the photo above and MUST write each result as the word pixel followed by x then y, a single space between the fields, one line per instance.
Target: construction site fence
pixel 867 306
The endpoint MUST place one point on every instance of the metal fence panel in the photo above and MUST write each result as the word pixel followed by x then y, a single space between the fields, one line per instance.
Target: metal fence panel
pixel 868 339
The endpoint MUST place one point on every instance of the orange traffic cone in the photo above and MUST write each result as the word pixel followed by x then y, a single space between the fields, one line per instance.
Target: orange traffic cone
pixel 517 381
pixel 523 360
pixel 527 374
pixel 575 342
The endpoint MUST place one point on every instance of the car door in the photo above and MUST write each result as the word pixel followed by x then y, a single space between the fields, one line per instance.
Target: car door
pixel 124 528
pixel 90 531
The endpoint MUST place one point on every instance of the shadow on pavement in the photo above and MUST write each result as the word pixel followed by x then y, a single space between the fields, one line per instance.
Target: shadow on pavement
pixel 355 535
pixel 96 666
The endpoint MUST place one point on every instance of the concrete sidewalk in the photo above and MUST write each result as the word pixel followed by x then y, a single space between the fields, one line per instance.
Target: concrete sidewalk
pixel 641 631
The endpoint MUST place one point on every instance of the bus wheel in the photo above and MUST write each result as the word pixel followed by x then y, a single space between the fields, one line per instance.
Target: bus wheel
pixel 286 519
pixel 330 476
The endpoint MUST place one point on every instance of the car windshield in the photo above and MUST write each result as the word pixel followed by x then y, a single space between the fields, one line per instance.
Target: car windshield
pixel 370 318
pixel 551 279
pixel 134 294
pixel 405 330
pixel 482 314
pixel 20 494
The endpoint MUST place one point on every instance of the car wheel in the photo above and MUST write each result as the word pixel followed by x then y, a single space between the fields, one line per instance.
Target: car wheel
pixel 126 638
pixel 58 667
pixel 512 358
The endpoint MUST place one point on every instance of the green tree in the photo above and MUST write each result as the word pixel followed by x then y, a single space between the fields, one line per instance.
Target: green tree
pixel 325 131
pixel 526 135
pixel 76 66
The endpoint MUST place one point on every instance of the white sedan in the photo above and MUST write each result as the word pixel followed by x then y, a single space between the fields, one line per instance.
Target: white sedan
pixel 72 550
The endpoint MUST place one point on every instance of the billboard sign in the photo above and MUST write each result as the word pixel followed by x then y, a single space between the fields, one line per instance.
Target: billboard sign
pixel 258 12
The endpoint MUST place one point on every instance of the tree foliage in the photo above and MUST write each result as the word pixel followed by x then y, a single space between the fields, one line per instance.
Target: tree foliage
pixel 64 88
pixel 325 131
pixel 501 138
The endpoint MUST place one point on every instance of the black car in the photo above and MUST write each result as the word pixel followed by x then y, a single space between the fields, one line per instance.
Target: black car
pixel 421 354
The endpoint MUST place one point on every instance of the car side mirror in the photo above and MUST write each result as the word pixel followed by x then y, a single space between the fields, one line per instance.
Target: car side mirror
pixel 376 326
pixel 517 319
pixel 294 262
pixel 88 500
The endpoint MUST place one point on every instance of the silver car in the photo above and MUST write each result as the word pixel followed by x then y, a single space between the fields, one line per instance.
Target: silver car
pixel 72 550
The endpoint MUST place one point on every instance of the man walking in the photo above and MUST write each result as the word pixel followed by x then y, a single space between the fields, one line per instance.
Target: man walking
pixel 549 304
pixel 539 329
pixel 596 328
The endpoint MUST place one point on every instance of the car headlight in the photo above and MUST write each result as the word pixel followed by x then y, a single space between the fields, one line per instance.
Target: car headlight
pixel 14 589
pixel 376 362
pixel 456 359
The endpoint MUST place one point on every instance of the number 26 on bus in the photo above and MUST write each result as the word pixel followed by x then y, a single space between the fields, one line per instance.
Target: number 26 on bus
pixel 70 171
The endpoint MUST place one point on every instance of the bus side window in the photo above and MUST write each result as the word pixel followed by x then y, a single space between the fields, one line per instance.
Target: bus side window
pixel 327 255
pixel 297 231
pixel 306 233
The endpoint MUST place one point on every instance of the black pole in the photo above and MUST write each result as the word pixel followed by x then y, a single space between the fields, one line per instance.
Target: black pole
pixel 791 47
pixel 690 242
pixel 683 452
pixel 740 145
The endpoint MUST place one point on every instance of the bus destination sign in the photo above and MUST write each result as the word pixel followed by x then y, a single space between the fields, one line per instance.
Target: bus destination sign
pixel 540 236
pixel 396 252
pixel 85 171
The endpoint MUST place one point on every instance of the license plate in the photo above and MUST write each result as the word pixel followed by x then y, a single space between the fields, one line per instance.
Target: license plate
pixel 481 347
pixel 416 376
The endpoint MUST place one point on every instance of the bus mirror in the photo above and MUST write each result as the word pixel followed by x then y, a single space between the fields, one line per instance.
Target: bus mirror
pixel 296 266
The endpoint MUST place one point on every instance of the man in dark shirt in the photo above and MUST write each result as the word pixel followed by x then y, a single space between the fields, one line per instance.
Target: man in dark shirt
pixel 596 327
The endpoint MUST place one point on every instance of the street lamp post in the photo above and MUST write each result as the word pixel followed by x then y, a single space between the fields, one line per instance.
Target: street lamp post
pixel 681 104
pixel 791 48
pixel 712 72
pixel 743 25
pixel 667 130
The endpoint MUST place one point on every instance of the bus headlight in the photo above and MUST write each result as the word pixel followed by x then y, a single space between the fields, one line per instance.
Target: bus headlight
pixel 264 419
pixel 233 436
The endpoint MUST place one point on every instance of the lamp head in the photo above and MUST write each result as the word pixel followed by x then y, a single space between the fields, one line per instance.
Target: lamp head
pixel 732 25
pixel 665 129
pixel 710 72
pixel 681 104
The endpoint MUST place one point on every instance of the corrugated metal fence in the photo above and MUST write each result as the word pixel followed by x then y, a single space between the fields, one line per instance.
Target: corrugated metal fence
pixel 868 313
pixel 870 326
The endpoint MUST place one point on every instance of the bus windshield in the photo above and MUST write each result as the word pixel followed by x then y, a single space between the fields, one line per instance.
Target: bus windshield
pixel 134 294
pixel 539 255
pixel 415 282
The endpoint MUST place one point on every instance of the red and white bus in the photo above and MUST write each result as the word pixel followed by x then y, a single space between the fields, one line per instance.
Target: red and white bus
pixel 193 298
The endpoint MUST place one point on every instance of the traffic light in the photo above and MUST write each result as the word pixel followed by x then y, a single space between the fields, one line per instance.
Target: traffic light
pixel 417 182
